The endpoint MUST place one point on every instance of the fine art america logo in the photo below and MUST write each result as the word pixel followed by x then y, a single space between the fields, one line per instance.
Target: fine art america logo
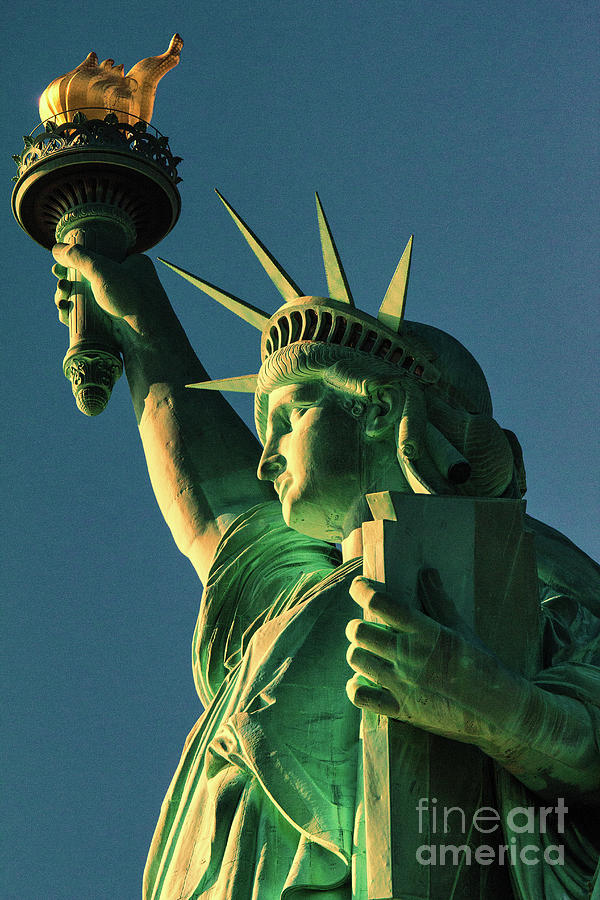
pixel 518 821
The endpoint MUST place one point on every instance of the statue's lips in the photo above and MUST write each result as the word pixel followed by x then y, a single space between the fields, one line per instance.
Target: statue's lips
pixel 281 483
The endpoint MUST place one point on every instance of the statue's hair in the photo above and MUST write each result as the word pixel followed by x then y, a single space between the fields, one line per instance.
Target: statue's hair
pixel 346 371
pixel 445 436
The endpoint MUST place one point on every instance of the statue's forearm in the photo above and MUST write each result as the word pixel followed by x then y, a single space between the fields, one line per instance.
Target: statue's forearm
pixel 547 741
pixel 201 456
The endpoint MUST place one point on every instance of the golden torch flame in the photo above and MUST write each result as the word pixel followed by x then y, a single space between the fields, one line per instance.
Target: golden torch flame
pixel 99 88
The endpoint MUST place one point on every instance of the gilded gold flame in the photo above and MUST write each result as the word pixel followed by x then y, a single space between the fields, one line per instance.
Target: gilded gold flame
pixel 99 88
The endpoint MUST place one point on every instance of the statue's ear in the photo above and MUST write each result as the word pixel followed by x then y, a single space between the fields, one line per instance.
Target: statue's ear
pixel 383 411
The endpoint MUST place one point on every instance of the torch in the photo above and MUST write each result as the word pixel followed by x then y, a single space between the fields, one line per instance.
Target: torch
pixel 95 173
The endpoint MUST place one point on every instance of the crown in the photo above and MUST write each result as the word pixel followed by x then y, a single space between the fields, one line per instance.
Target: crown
pixel 332 320
pixel 420 354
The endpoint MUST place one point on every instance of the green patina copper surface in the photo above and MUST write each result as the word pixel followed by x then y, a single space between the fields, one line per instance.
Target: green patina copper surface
pixel 269 798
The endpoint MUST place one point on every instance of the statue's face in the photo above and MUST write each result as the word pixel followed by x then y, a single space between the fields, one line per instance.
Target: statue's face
pixel 314 455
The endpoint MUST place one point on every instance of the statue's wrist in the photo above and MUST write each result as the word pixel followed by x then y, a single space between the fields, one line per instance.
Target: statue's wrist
pixel 547 743
pixel 158 354
pixel 508 733
pixel 148 333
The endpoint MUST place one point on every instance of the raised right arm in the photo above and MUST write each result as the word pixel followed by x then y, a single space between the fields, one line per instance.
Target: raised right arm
pixel 201 456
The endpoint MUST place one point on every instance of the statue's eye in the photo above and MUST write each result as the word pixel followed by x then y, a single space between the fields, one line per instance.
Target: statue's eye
pixel 296 414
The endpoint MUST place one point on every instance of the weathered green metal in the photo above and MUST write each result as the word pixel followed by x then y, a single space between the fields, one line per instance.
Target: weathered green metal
pixel 97 161
pixel 487 564
pixel 391 311
pixel 93 362
pixel 109 186
pixel 282 281
pixel 241 308
pixel 265 800
pixel 337 282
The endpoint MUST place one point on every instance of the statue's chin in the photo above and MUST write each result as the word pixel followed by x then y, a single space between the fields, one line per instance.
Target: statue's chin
pixel 313 521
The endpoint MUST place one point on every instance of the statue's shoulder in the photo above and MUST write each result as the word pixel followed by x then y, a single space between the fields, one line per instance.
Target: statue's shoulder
pixel 563 568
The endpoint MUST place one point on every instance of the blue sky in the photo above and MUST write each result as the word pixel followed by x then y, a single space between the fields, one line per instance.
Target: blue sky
pixel 468 124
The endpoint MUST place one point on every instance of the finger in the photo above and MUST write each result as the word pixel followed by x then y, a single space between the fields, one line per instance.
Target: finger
pixel 61 299
pixel 58 270
pixel 373 667
pixel 63 313
pixel 377 602
pixel 377 638
pixel 62 293
pixel 361 586
pixel 371 697
pixel 64 308
pixel 75 257
pixel 63 288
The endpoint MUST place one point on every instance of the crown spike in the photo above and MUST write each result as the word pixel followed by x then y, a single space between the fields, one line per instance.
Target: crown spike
pixel 391 311
pixel 246 311
pixel 241 384
pixel 282 281
pixel 337 282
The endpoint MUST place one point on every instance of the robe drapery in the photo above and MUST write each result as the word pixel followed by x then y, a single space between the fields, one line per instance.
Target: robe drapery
pixel 263 804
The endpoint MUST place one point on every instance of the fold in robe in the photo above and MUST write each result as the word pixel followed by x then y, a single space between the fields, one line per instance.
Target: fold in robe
pixel 264 801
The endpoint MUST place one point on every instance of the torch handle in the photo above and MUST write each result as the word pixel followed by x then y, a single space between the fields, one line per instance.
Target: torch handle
pixel 93 362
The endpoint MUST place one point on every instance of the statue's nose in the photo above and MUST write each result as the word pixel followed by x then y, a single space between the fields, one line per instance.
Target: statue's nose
pixel 271 464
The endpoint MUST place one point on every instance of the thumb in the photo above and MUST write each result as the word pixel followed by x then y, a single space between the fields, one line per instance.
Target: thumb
pixel 87 262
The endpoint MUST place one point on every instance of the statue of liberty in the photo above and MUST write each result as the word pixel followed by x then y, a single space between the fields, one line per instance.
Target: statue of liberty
pixel 264 802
